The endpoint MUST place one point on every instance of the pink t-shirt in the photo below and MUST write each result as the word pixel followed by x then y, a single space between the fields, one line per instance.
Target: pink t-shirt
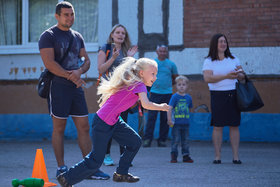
pixel 120 102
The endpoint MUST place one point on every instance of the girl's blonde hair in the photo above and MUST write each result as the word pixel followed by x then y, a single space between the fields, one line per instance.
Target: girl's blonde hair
pixel 123 76
pixel 126 44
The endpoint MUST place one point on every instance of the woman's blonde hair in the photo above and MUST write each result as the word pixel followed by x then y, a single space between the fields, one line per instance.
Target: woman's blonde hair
pixel 123 76
pixel 126 44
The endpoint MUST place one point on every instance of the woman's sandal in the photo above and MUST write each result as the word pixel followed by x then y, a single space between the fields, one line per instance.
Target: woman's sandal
pixel 236 161
pixel 217 162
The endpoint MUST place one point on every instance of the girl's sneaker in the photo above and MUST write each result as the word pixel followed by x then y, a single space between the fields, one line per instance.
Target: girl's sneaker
pixel 108 161
pixel 125 178
pixel 62 181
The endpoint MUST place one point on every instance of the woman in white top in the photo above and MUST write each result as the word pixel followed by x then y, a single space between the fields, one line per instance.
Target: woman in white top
pixel 221 70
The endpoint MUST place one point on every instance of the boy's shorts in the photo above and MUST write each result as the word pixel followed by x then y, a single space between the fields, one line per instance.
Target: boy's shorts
pixel 65 100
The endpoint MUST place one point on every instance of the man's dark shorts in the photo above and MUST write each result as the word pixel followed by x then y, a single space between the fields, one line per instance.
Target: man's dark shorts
pixel 65 100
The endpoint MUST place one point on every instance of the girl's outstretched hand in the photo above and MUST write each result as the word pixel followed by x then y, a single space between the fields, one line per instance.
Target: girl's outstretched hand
pixel 165 107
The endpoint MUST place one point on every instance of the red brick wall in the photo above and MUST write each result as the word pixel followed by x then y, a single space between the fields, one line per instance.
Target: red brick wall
pixel 246 23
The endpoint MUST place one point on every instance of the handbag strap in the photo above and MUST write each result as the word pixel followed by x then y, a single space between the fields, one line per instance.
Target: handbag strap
pixel 108 52
pixel 246 79
pixel 68 49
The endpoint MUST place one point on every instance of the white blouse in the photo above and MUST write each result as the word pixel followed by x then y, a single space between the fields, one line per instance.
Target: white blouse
pixel 221 67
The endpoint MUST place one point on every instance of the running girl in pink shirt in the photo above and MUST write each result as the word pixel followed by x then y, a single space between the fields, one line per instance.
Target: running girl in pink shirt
pixel 126 85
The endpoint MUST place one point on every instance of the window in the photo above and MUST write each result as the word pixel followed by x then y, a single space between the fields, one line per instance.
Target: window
pixel 86 19
pixel 23 21
pixel 40 17
pixel 10 22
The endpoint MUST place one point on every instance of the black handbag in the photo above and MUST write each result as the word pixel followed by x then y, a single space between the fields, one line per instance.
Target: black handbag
pixel 44 83
pixel 45 79
pixel 248 98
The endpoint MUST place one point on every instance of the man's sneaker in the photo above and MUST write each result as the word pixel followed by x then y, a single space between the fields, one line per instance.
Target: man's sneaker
pixel 62 181
pixel 125 178
pixel 187 159
pixel 161 144
pixel 147 143
pixel 99 175
pixel 60 170
pixel 108 161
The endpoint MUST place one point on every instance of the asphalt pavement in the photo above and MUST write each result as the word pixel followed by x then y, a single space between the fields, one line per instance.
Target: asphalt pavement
pixel 260 167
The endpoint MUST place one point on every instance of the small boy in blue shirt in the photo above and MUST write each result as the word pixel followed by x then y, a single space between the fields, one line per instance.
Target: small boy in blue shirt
pixel 178 118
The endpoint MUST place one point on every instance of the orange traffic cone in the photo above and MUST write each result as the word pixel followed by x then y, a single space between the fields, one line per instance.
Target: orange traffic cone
pixel 40 170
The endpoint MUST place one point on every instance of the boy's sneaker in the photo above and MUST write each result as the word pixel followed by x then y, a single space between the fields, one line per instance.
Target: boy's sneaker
pixel 125 178
pixel 60 170
pixel 108 161
pixel 99 175
pixel 187 159
pixel 62 181
pixel 173 158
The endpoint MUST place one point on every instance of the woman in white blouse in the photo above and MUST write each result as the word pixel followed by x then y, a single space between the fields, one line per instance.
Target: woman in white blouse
pixel 221 70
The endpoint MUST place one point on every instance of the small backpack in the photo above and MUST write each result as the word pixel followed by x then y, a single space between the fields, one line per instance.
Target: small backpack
pixel 108 51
